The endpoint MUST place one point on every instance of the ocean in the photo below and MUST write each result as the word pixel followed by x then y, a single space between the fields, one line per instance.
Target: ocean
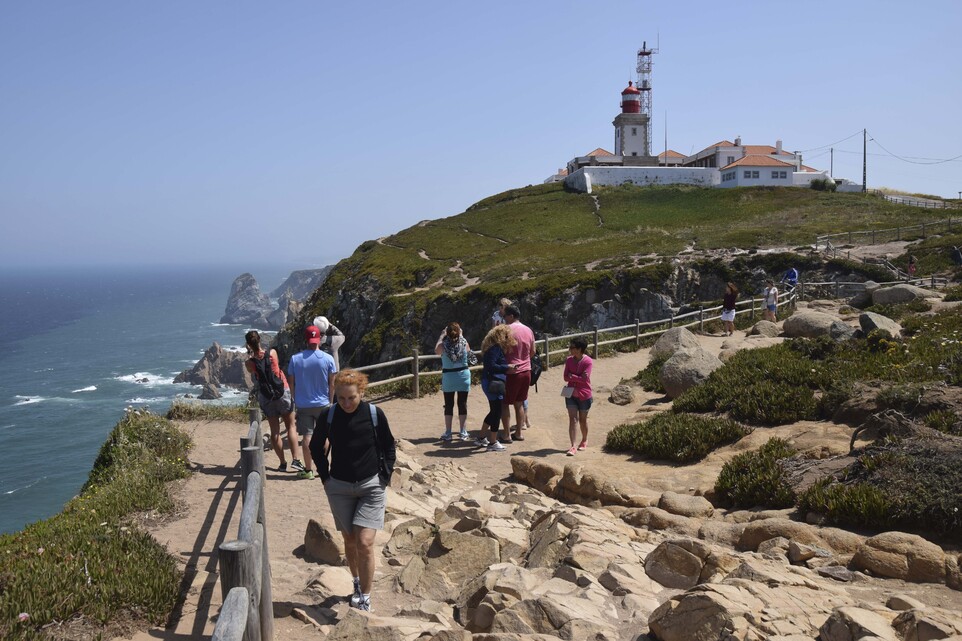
pixel 78 346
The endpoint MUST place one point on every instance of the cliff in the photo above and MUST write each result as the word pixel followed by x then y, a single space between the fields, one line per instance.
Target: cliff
pixel 302 282
pixel 246 304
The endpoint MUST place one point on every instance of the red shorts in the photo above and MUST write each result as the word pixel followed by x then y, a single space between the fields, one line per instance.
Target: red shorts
pixel 516 388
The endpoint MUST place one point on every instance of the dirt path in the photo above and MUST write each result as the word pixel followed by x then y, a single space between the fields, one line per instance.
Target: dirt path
pixel 211 505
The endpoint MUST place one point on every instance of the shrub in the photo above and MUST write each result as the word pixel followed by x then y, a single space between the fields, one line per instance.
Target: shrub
pixel 199 411
pixel 823 184
pixel 945 421
pixel 901 310
pixel 953 293
pixel 681 438
pixel 858 504
pixel 774 403
pixel 648 377
pixel 90 561
pixel 756 479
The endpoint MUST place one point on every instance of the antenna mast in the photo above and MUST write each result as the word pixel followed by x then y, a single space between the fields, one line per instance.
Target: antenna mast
pixel 644 86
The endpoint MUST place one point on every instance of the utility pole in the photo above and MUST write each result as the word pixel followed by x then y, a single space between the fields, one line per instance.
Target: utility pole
pixel 864 149
pixel 831 166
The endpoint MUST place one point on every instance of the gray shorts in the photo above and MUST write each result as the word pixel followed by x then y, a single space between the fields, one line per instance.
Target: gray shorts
pixel 361 504
pixel 309 417
pixel 277 407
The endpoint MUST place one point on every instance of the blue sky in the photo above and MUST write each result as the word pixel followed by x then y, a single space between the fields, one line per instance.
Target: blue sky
pixel 288 133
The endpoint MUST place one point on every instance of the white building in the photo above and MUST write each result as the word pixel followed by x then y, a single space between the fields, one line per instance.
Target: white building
pixel 754 171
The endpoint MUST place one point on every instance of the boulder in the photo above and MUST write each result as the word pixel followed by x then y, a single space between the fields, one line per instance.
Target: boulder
pixel 686 505
pixel 706 613
pixel 622 395
pixel 926 624
pixel 455 558
pixel 903 602
pixel 849 623
pixel 656 518
pixel 677 563
pixel 840 331
pixel 331 581
pixel 537 473
pixel 870 320
pixel 897 294
pixel 799 552
pixel 808 324
pixel 209 393
pixel 357 626
pixel 671 341
pixel 323 544
pixel 898 555
pixel 246 305
pixel 764 328
pixel 758 531
pixel 686 369
pixel 220 367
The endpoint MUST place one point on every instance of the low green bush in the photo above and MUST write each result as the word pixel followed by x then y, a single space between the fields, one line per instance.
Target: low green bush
pixel 901 310
pixel 91 561
pixel 945 421
pixel 858 504
pixel 648 377
pixel 181 410
pixel 953 293
pixel 755 479
pixel 774 403
pixel 682 438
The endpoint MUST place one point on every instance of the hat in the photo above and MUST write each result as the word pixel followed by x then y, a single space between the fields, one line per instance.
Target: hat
pixel 313 335
pixel 322 323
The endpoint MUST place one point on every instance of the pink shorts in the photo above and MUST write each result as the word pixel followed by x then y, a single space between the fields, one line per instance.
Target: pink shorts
pixel 516 388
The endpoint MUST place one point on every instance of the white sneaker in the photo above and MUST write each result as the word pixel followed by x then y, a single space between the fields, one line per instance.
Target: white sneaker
pixel 464 436
pixel 482 442
pixel 495 447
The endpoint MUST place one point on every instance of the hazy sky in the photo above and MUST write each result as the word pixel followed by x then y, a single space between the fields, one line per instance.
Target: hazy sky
pixel 243 132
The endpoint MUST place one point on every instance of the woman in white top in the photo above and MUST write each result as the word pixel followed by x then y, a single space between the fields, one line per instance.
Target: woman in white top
pixel 771 301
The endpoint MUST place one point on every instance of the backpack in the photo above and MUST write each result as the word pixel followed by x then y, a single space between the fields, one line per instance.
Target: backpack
pixel 535 369
pixel 269 384
pixel 382 470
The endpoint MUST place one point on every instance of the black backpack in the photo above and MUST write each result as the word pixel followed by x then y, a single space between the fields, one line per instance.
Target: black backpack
pixel 535 369
pixel 269 384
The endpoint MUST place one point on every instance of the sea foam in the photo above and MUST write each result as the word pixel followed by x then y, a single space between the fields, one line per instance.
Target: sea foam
pixel 145 378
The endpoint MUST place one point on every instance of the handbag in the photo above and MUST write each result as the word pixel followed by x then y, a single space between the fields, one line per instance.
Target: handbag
pixel 472 358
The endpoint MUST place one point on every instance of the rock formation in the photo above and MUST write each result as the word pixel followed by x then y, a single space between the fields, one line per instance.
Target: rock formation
pixel 246 304
pixel 218 368
pixel 287 309
pixel 302 282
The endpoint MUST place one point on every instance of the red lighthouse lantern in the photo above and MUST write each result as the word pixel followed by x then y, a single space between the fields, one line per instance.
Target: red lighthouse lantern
pixel 630 100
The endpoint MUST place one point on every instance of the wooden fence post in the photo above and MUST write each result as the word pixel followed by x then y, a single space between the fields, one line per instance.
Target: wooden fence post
pixel 898 233
pixel 923 230
pixel 873 236
pixel 849 238
pixel 671 320
pixel 415 371
pixel 701 318
pixel 596 342
pixel 837 289
pixel 237 571
pixel 751 316
pixel 232 622
pixel 637 333
pixel 547 353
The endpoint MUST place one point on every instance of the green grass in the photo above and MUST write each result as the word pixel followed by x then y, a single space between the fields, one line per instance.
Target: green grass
pixel 181 410
pixel 91 561
pixel 681 438
pixel 755 479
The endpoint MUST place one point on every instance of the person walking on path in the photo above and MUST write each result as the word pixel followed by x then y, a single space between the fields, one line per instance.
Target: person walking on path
pixel 362 456
pixel 332 338
pixel 519 377
pixel 498 341
pixel 577 393
pixel 913 266
pixel 264 367
pixel 455 356
pixel 770 295
pixel 728 308
pixel 311 374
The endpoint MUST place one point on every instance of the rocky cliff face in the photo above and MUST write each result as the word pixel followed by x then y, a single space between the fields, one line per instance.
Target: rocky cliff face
pixel 302 282
pixel 287 309
pixel 246 304
pixel 218 367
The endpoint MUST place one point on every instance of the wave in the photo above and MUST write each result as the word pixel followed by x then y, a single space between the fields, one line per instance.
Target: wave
pixel 89 388
pixel 142 401
pixel 28 400
pixel 145 378
pixel 224 324
pixel 24 487
pixel 7 427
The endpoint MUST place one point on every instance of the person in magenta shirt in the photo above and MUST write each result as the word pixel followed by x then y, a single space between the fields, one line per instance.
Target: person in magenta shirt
pixel 519 376
pixel 578 392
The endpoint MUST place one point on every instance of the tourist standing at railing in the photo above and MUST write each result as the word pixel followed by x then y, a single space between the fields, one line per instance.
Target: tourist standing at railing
pixel 577 392
pixel 497 318
pixel 332 338
pixel 791 277
pixel 455 356
pixel 311 374
pixel 912 266
pixel 770 296
pixel 362 452
pixel 728 308
pixel 275 403
pixel 493 375
pixel 519 377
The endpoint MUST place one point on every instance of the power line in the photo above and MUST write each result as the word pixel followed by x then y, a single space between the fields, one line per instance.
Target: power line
pixel 831 144
pixel 914 162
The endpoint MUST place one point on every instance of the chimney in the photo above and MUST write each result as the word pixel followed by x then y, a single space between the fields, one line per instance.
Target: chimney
pixel 778 146
pixel 738 141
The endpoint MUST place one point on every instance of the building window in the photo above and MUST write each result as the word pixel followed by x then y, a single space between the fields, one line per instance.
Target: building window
pixel 634 153
pixel 783 174
pixel 634 131
pixel 774 174
pixel 754 174
pixel 731 159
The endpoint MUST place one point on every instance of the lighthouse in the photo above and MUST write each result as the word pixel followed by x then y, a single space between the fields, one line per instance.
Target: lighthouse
pixel 633 124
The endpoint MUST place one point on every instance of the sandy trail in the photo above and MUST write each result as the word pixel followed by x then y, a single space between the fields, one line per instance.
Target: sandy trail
pixel 211 506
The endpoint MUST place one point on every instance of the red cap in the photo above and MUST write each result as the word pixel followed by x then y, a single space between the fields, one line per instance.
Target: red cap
pixel 313 335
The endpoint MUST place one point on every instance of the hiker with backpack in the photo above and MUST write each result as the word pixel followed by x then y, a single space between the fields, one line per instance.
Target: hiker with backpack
pixel 362 455
pixel 519 377
pixel 312 376
pixel 274 398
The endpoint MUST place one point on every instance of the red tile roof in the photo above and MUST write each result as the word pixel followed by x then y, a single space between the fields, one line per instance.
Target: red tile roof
pixel 807 168
pixel 599 152
pixel 671 153
pixel 758 161
pixel 753 150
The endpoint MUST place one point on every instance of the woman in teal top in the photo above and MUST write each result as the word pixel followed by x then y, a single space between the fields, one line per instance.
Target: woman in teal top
pixel 455 378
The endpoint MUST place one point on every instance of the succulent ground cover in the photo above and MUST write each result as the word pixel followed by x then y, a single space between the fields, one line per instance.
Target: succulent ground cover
pixel 682 438
pixel 91 562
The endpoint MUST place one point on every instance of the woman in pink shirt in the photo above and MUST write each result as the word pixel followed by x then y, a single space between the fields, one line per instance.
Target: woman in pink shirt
pixel 578 392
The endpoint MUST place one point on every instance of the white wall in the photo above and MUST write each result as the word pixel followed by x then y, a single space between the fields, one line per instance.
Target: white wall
pixel 804 178
pixel 583 179
pixel 764 177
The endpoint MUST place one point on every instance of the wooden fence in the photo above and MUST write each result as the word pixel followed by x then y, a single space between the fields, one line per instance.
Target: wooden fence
pixel 245 570
pixel 828 242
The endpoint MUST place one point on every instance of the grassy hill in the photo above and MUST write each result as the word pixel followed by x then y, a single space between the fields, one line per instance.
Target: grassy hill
pixel 545 239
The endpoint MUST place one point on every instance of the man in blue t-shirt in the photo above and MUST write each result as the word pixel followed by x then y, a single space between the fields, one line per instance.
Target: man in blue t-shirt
pixel 311 375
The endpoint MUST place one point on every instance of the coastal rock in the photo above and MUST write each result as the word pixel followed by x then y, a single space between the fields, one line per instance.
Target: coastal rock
pixel 764 328
pixel 685 369
pixel 287 309
pixel 869 321
pixel 898 555
pixel 302 282
pixel 671 341
pixel 808 324
pixel 849 623
pixel 209 393
pixel 622 395
pixel 246 305
pixel 219 367
pixel 927 623
pixel 897 294
pixel 686 505
pixel 841 331
pixel 323 544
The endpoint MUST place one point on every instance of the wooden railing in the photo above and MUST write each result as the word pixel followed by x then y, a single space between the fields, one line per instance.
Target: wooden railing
pixel 889 234
pixel 245 570
pixel 633 332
